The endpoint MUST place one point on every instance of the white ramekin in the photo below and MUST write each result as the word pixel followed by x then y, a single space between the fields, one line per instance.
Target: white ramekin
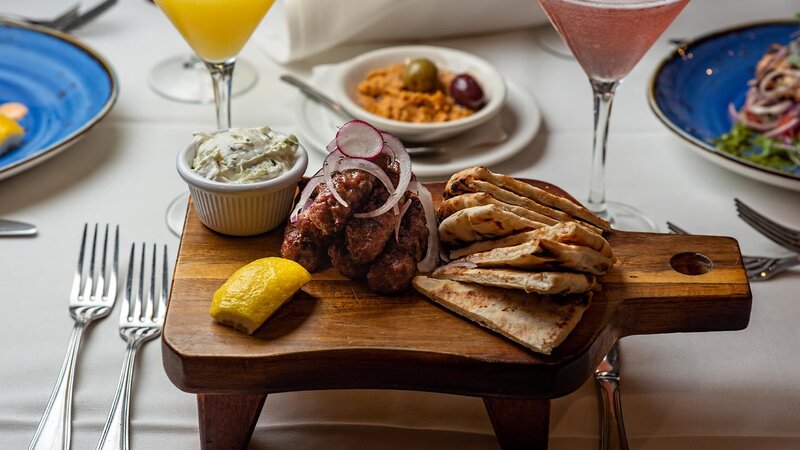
pixel 241 209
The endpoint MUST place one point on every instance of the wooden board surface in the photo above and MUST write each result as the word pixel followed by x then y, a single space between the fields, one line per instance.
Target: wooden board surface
pixel 337 334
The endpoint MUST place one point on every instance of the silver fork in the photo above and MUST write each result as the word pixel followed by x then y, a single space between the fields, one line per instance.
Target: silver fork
pixel 780 234
pixel 56 23
pixel 758 268
pixel 88 301
pixel 612 427
pixel 136 327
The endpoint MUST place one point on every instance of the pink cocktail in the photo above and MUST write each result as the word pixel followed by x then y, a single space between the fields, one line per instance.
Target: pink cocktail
pixel 608 38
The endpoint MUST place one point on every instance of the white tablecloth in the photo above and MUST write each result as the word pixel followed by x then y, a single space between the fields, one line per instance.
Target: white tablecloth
pixel 733 390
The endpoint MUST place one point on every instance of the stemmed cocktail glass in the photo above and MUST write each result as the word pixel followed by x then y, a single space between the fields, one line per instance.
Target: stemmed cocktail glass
pixel 216 30
pixel 608 38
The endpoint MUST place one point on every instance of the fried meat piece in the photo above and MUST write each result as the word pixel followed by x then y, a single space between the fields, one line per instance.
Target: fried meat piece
pixel 391 272
pixel 326 216
pixel 414 230
pixel 302 248
pixel 367 237
pixel 343 262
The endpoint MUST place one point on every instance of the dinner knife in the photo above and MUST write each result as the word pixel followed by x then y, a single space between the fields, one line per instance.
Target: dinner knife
pixel 14 228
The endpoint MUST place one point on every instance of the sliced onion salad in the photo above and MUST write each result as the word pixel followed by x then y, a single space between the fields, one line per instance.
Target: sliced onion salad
pixel 305 197
pixel 431 258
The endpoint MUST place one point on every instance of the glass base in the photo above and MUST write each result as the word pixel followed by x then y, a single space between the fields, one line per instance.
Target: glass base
pixel 627 218
pixel 176 213
pixel 551 42
pixel 186 79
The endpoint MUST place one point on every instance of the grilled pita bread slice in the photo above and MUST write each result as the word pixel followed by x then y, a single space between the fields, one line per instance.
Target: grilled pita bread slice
pixel 563 232
pixel 482 222
pixel 544 254
pixel 459 202
pixel 539 282
pixel 479 179
pixel 538 322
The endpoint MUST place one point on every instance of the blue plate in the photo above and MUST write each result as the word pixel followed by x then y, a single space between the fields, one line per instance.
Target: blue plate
pixel 66 85
pixel 691 89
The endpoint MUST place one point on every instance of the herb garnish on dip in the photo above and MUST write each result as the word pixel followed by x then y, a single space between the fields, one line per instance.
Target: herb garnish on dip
pixel 244 155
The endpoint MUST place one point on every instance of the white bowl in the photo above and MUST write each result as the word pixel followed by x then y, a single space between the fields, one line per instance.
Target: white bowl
pixel 350 73
pixel 241 209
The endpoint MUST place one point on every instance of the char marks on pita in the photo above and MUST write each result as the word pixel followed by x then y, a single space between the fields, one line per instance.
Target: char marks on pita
pixel 544 254
pixel 515 192
pixel 564 232
pixel 552 283
pixel 482 222
pixel 538 322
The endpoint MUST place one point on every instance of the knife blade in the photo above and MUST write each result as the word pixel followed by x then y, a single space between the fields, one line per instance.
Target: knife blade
pixel 14 228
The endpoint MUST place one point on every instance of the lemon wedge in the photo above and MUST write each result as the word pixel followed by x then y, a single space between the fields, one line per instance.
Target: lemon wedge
pixel 256 291
pixel 11 134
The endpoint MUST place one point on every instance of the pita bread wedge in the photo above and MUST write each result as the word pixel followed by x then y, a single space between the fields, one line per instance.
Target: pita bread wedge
pixel 478 179
pixel 463 201
pixel 482 222
pixel 544 254
pixel 563 232
pixel 539 282
pixel 538 322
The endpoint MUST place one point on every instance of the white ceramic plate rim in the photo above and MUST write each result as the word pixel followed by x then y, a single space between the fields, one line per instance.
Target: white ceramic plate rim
pixel 518 100
pixel 493 82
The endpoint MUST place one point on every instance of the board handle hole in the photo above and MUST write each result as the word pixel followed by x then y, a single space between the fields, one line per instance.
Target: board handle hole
pixel 689 263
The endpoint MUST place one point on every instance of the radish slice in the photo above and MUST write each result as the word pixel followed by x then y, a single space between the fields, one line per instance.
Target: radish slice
pixel 305 197
pixel 431 258
pixel 403 210
pixel 358 139
pixel 404 160
pixel 329 166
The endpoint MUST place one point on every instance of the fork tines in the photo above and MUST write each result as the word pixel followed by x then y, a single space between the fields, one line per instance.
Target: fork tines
pixel 780 234
pixel 84 286
pixel 140 304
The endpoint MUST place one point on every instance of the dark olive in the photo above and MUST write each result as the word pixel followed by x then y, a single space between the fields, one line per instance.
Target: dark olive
pixel 420 75
pixel 466 91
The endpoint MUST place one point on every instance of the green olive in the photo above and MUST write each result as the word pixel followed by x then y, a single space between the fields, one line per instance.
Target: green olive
pixel 420 75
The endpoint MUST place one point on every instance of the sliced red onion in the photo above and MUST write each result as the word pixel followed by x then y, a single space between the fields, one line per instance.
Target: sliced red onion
pixel 464 264
pixel 400 215
pixel 775 109
pixel 741 116
pixel 431 258
pixel 369 167
pixel 443 255
pixel 358 139
pixel 777 131
pixel 329 167
pixel 331 146
pixel 305 197
pixel 404 160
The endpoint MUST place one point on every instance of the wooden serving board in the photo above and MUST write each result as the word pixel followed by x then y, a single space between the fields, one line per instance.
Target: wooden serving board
pixel 336 333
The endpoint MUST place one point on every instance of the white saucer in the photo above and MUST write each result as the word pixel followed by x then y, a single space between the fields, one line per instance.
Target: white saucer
pixel 520 119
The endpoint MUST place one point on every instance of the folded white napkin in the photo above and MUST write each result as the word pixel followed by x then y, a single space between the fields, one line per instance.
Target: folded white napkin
pixel 295 29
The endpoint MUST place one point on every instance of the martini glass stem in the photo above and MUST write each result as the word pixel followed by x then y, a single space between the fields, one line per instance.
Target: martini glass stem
pixel 603 99
pixel 222 74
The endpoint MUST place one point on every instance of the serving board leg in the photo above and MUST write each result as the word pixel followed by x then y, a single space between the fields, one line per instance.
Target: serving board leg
pixel 227 421
pixel 519 424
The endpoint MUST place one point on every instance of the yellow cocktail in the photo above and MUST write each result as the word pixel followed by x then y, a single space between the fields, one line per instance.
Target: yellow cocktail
pixel 216 29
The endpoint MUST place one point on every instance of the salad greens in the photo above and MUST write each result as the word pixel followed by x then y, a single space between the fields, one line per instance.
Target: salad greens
pixel 744 142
